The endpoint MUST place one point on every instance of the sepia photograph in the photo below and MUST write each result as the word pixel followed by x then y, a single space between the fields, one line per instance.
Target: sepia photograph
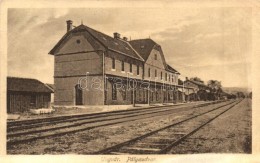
pixel 132 81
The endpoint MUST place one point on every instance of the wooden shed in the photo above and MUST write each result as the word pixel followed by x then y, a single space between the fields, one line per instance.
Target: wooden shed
pixel 24 94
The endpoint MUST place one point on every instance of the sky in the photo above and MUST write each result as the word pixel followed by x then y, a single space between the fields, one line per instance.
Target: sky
pixel 209 43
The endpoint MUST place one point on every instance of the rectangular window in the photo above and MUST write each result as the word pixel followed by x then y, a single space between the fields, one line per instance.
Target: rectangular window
pixel 124 92
pixel 165 76
pixel 155 73
pixel 137 69
pixel 113 63
pixel 155 56
pixel 130 67
pixel 149 72
pixel 114 92
pixel 123 66
pixel 169 77
pixel 161 75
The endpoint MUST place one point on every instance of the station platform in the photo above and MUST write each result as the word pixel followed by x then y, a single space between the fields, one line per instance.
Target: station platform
pixel 91 109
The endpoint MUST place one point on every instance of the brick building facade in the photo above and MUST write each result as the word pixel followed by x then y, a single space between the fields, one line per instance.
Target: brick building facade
pixel 92 68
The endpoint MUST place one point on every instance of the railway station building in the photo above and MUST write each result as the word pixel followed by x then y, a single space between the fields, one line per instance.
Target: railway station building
pixel 92 68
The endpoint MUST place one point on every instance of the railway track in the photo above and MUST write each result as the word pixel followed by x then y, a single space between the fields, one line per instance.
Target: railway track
pixel 34 123
pixel 162 140
pixel 31 130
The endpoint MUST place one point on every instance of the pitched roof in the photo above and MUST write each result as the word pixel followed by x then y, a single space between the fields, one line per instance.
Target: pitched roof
pixel 51 86
pixel 117 45
pixel 197 83
pixel 143 47
pixel 26 85
pixel 172 69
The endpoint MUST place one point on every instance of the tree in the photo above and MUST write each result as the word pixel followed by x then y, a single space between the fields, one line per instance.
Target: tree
pixel 197 79
pixel 215 88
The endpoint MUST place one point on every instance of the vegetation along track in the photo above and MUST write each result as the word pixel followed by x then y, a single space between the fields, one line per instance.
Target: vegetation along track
pixel 56 127
pixel 162 140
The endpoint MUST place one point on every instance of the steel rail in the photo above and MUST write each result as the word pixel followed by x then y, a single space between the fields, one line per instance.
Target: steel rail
pixel 115 148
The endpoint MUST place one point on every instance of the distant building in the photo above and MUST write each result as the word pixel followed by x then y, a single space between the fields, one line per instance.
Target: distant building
pixel 92 68
pixel 200 91
pixel 24 94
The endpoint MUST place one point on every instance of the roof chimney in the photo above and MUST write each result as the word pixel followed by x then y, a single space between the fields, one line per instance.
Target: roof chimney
pixel 69 25
pixel 116 35
pixel 125 38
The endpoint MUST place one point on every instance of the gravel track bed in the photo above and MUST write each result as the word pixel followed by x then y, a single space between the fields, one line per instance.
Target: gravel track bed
pixel 89 141
pixel 229 133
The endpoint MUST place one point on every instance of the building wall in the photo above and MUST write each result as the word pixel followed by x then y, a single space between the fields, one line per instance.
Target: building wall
pixel 121 91
pixel 190 84
pixel 22 101
pixel 74 58
pixel 76 62
pixel 126 73
pixel 92 87
pixel 158 65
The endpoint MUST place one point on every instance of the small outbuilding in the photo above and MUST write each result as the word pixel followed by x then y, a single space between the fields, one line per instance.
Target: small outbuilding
pixel 24 94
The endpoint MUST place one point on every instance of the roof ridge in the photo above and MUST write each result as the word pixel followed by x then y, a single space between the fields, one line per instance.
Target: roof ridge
pixel 197 82
pixel 134 50
pixel 95 30
pixel 147 39
pixel 114 39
